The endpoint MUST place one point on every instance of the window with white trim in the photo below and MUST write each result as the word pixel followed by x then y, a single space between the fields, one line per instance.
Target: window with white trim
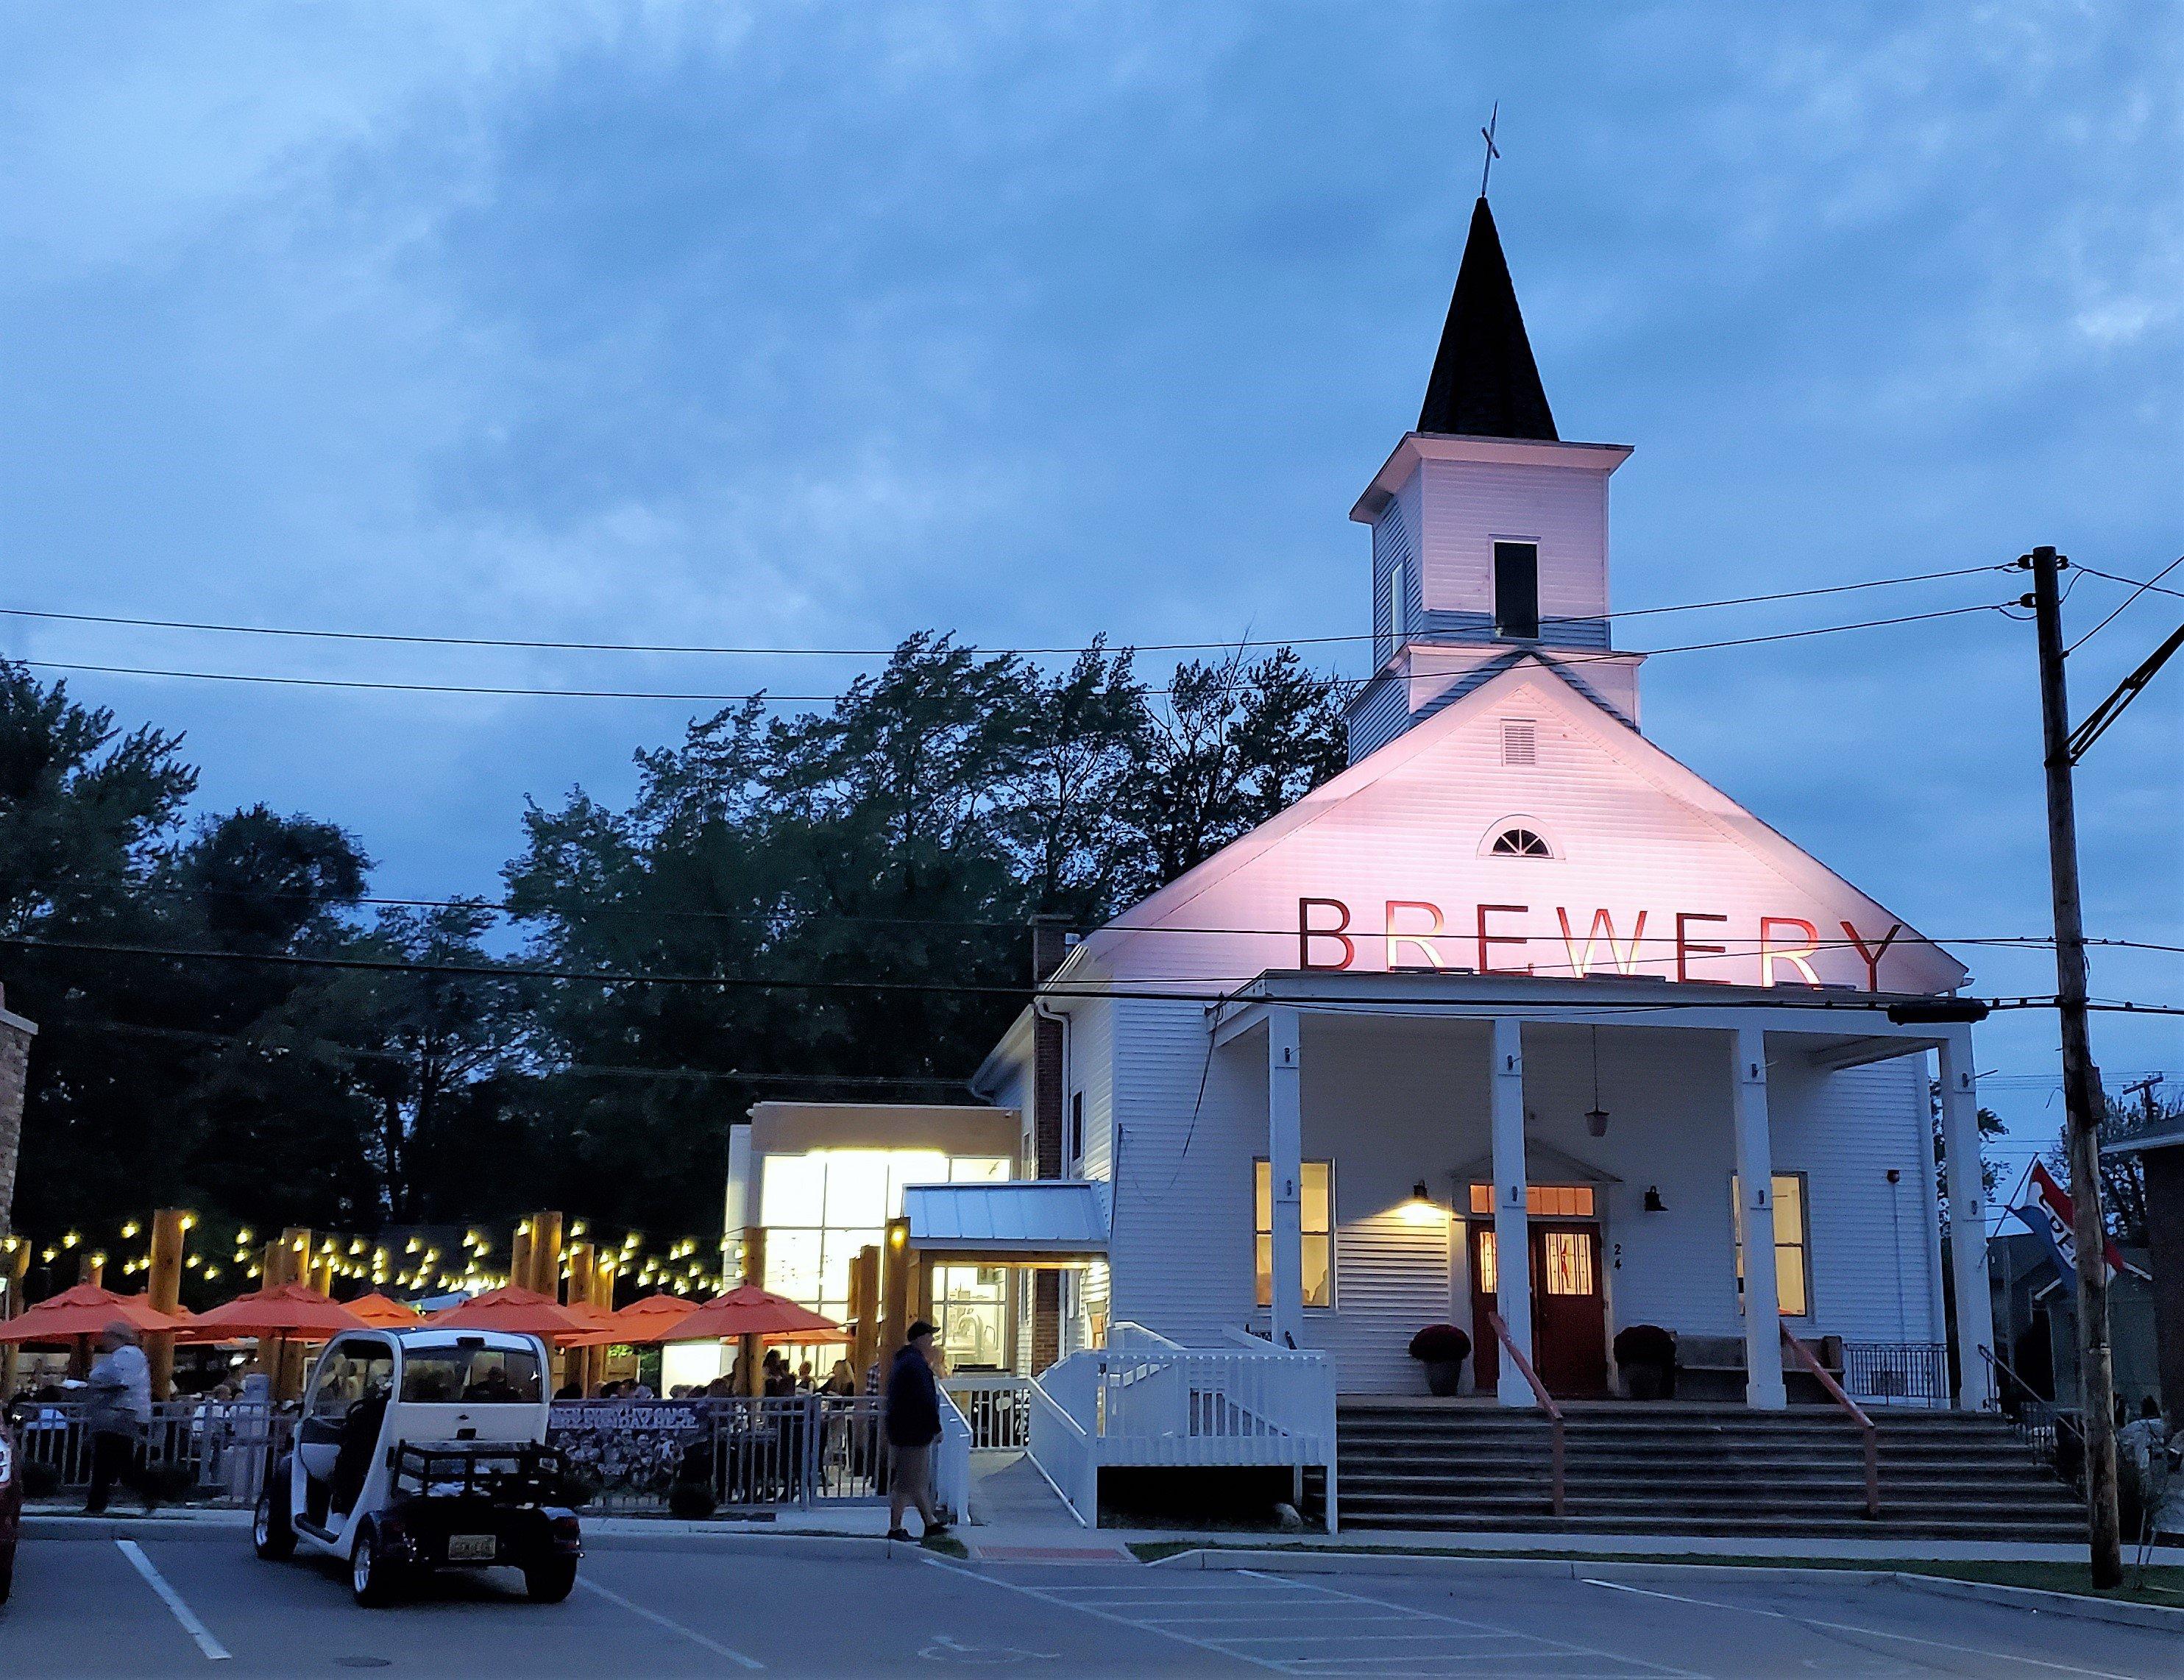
pixel 1793 1248
pixel 1317 1192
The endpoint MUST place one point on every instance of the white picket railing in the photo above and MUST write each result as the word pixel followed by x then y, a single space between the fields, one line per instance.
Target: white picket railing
pixel 997 1405
pixel 1144 1400
pixel 951 1460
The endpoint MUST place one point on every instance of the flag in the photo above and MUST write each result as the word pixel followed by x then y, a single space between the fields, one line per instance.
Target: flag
pixel 2047 1211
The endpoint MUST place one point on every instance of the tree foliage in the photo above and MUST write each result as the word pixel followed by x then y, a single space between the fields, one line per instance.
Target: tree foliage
pixel 842 895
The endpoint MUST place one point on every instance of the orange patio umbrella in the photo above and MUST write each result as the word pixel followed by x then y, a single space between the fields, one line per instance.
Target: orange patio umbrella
pixel 85 1310
pixel 383 1312
pixel 525 1312
pixel 652 1318
pixel 749 1310
pixel 291 1311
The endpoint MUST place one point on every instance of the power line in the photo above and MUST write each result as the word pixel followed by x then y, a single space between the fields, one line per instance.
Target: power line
pixel 2112 617
pixel 1154 991
pixel 972 925
pixel 215 627
pixel 2142 584
pixel 764 698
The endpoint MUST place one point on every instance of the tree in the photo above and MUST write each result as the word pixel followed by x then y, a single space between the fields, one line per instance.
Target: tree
pixel 2123 1177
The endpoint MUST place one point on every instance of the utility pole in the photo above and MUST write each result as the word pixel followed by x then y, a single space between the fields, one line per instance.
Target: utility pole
pixel 2081 1083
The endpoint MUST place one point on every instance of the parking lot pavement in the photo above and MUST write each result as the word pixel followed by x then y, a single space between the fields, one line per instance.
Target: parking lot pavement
pixel 178 1607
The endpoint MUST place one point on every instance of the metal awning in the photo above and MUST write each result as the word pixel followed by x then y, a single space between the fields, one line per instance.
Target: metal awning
pixel 1026 1221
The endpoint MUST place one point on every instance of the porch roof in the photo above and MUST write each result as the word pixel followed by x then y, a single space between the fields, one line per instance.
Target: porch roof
pixel 1839 1027
pixel 1023 1217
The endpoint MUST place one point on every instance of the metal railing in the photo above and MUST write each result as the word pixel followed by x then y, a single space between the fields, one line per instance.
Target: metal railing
pixel 1897 1373
pixel 2054 1434
pixel 1557 1440
pixel 208 1452
pixel 742 1451
pixel 996 1406
pixel 1834 1392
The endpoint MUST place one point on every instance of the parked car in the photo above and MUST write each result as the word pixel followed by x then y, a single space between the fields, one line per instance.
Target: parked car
pixel 421 1449
pixel 11 1505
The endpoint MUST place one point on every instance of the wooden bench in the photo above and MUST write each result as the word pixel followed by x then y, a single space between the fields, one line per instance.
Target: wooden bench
pixel 1712 1368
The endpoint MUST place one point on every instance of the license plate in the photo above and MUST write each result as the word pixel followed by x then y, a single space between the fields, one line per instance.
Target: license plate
pixel 472 1548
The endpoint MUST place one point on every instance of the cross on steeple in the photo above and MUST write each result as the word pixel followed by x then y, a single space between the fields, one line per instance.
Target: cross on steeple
pixel 1492 152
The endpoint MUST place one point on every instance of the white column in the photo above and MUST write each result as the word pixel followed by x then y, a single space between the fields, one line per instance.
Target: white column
pixel 1513 1236
pixel 1960 1150
pixel 1755 1189
pixel 1285 1168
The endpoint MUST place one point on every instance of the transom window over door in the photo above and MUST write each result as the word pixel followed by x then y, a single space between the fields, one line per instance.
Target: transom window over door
pixel 1317 1192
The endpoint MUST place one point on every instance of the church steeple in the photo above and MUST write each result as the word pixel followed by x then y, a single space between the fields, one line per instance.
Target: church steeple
pixel 1484 382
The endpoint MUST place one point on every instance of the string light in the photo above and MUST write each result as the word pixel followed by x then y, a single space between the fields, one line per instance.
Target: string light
pixel 130 1228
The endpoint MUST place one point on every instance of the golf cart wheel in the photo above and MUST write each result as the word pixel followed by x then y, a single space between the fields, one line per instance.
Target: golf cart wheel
pixel 551 1581
pixel 271 1532
pixel 374 1578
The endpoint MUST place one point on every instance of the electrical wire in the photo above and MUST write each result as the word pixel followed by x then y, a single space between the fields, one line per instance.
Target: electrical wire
pixel 1166 990
pixel 763 697
pixel 416 640
pixel 2150 583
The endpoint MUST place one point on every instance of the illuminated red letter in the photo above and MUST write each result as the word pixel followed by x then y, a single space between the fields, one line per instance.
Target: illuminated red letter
pixel 1487 940
pixel 1625 960
pixel 1685 949
pixel 1795 955
pixel 1306 933
pixel 1424 942
pixel 1873 954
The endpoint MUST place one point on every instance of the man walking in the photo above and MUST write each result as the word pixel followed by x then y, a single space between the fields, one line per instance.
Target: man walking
pixel 913 1425
pixel 117 1412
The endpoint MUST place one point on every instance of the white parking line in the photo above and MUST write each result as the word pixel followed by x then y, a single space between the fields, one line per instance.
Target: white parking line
pixel 1559 1646
pixel 673 1627
pixel 215 1651
pixel 1854 1628
pixel 1104 1615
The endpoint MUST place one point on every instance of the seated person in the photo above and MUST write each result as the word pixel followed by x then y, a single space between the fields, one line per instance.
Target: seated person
pixel 493 1386
pixel 359 1438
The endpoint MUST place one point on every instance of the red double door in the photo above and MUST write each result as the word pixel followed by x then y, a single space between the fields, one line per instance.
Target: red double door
pixel 1569 1307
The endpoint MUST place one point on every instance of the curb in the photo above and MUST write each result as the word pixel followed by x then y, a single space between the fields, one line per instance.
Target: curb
pixel 2160 1617
pixel 228 1527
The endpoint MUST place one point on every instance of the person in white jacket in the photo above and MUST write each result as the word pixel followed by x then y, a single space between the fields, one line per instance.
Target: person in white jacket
pixel 117 1411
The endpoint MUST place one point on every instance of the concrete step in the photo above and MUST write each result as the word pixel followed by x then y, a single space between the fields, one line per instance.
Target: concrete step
pixel 1364 1517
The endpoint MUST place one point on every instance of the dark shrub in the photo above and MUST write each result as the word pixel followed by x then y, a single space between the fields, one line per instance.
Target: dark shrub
pixel 172 1482
pixel 1441 1344
pixel 692 1501
pixel 40 1481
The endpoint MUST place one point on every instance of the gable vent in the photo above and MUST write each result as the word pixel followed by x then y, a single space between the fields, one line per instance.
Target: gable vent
pixel 1520 741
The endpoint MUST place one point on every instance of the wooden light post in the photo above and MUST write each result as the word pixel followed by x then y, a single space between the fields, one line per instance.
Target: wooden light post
pixel 601 1295
pixel 865 1303
pixel 546 1253
pixel 894 1288
pixel 577 1362
pixel 163 1290
pixel 748 1377
pixel 90 1268
pixel 286 1372
pixel 519 1256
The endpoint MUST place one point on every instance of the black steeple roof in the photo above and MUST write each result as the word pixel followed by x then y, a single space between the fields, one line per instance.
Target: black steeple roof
pixel 1484 382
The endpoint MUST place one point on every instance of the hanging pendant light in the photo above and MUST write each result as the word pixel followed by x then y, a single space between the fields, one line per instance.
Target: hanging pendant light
pixel 1596 1117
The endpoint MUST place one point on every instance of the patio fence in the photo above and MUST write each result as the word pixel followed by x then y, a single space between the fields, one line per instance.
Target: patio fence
pixel 210 1452
pixel 996 1406
pixel 626 1456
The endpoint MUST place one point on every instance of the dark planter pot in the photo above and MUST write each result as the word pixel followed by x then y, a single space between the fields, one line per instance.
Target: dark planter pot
pixel 1645 1382
pixel 1444 1377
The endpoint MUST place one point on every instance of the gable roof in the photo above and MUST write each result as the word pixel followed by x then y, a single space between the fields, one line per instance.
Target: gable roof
pixel 1391 800
pixel 1484 382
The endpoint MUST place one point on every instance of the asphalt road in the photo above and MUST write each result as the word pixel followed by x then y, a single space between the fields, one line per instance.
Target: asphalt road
pixel 208 1608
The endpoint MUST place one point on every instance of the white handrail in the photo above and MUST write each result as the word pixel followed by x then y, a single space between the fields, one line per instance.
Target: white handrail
pixel 951 1462
pixel 1063 1452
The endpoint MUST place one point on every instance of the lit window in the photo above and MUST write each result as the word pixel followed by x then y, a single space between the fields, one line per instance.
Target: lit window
pixel 1541 1200
pixel 1489 1278
pixel 1520 843
pixel 1793 1276
pixel 1319 1222
pixel 1568 1257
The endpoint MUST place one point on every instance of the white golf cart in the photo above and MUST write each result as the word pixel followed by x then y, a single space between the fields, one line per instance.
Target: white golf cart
pixel 418 1449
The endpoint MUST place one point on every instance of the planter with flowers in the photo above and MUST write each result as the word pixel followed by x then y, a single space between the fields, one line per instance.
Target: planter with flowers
pixel 1441 1348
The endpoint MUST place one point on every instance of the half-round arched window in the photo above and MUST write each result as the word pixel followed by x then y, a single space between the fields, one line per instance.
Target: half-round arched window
pixel 1519 842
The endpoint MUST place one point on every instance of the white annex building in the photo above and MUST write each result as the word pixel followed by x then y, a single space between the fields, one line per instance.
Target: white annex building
pixel 1516 1018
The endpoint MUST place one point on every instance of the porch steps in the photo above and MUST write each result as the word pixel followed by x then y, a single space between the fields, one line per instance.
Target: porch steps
pixel 1685 1469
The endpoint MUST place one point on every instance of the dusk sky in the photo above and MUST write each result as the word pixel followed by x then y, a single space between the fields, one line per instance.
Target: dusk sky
pixel 818 326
